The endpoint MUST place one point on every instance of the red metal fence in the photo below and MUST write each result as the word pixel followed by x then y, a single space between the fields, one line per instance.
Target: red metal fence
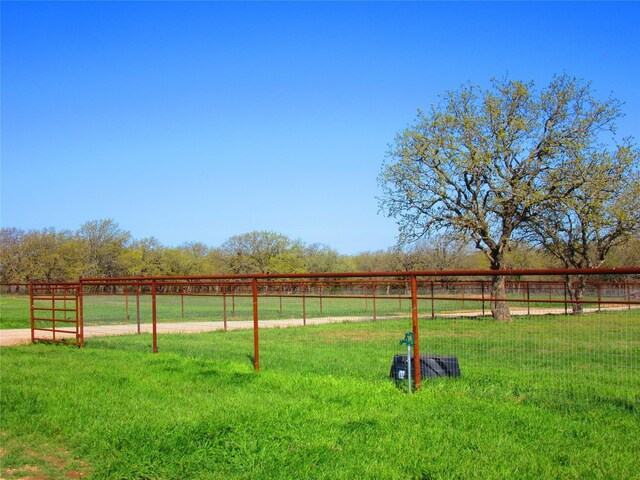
pixel 395 302
pixel 56 312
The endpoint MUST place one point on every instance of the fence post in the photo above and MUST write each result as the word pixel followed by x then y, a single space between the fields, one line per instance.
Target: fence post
pixel 256 346
pixel 433 307
pixel 482 285
pixel 414 318
pixel 138 305
pixel 53 310
pixel 33 322
pixel 80 311
pixel 373 292
pixel 153 316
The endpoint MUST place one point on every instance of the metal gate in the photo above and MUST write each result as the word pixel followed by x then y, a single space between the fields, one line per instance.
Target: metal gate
pixel 56 313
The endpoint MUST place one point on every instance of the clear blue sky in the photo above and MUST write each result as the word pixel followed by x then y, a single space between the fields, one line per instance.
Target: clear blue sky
pixel 199 121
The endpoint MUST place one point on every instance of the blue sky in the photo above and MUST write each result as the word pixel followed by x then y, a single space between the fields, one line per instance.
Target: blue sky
pixel 196 121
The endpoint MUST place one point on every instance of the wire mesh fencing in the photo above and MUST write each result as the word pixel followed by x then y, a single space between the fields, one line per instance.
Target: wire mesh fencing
pixel 557 350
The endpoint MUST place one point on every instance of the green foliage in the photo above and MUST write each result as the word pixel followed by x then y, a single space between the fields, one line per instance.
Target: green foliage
pixel 478 163
pixel 602 211
pixel 491 164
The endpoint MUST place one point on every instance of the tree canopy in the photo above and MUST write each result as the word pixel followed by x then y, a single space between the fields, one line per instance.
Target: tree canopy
pixel 485 163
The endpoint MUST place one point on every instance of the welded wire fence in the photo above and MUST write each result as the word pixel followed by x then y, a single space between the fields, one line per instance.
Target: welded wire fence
pixel 558 348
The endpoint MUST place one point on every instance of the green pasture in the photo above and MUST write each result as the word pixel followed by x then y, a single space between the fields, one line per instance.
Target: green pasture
pixel 14 311
pixel 542 397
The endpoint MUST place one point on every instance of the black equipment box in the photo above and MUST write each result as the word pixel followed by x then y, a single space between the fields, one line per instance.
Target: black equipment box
pixel 430 366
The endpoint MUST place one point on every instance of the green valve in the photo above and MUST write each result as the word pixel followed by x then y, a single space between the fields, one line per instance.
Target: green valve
pixel 408 340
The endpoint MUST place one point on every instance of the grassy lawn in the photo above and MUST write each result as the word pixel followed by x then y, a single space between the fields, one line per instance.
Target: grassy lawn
pixel 542 397
pixel 14 311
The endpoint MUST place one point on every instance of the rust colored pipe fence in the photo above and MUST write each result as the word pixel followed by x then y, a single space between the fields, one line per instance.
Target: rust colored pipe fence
pixel 415 286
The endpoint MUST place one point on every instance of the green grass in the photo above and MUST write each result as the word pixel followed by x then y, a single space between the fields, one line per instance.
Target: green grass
pixel 14 311
pixel 543 397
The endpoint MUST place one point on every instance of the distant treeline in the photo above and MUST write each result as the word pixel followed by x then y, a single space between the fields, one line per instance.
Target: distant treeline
pixel 101 249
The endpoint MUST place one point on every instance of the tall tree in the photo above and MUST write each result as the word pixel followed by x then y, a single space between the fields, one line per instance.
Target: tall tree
pixel 262 252
pixel 476 163
pixel 440 252
pixel 604 211
pixel 105 243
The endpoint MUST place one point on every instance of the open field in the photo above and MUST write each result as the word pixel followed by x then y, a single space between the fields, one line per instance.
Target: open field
pixel 543 397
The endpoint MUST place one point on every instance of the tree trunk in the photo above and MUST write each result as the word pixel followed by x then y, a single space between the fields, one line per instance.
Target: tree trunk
pixel 576 286
pixel 499 307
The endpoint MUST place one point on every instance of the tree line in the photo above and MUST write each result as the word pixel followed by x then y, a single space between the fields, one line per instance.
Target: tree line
pixel 100 248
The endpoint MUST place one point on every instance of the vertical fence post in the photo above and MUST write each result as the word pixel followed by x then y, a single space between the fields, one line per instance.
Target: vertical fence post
pixel 154 316
pixel 414 318
pixel 566 309
pixel 320 299
pixel 182 301
pixel 528 300
pixel 482 286
pixel 31 308
pixel 598 286
pixel 433 307
pixel 280 296
pixel 256 346
pixel 373 292
pixel 138 305
pixel 80 312
pixel 53 311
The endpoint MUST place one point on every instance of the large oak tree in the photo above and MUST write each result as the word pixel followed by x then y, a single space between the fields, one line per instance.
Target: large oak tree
pixel 478 163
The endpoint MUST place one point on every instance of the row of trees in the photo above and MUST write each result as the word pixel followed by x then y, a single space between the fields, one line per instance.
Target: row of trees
pixel 101 249
pixel 511 163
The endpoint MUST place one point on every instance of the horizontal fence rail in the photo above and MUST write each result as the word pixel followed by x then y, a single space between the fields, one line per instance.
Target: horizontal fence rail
pixel 351 323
